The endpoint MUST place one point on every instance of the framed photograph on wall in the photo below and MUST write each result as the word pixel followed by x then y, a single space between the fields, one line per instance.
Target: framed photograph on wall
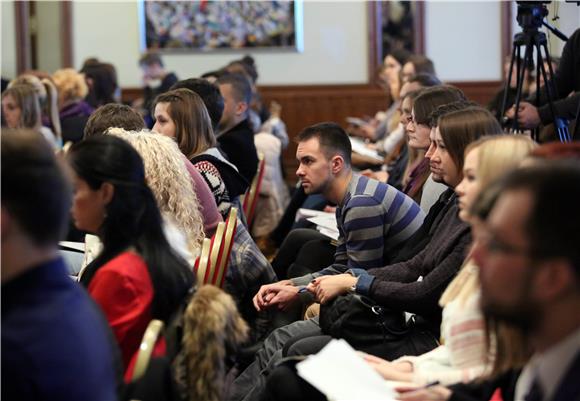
pixel 207 26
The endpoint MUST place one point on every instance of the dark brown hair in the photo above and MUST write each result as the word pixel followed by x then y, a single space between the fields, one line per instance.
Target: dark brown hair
pixel 193 129
pixel 332 138
pixel 460 128
pixel 431 98
pixel 113 115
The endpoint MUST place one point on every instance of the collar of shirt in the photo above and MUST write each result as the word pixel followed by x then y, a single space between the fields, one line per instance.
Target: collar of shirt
pixel 550 367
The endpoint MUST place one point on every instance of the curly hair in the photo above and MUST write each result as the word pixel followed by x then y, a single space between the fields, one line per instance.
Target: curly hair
pixel 71 84
pixel 212 327
pixel 170 182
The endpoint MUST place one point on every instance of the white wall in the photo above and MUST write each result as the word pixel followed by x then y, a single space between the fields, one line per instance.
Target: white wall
pixel 335 45
pixel 8 40
pixel 49 54
pixel 463 40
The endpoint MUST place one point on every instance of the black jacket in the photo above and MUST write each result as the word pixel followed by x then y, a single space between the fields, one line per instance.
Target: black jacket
pixel 238 145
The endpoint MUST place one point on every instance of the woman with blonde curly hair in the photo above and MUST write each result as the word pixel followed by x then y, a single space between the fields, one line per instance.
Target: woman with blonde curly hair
pixel 73 110
pixel 170 182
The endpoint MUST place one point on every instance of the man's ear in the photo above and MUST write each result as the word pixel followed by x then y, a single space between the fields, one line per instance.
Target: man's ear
pixel 553 279
pixel 337 164
pixel 107 191
pixel 241 108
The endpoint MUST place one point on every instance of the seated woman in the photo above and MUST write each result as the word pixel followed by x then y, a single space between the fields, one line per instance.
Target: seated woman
pixel 21 109
pixel 464 355
pixel 182 115
pixel 137 277
pixel 48 98
pixel 170 183
pixel 74 111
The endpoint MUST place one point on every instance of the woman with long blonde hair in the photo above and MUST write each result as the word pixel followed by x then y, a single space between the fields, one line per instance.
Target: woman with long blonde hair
pixel 170 182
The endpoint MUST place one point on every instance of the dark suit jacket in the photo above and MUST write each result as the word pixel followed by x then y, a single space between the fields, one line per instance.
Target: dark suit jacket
pixel 568 390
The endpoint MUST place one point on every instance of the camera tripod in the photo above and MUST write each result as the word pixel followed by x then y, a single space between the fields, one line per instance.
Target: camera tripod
pixel 534 40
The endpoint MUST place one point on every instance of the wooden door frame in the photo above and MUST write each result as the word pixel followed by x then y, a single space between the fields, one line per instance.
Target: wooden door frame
pixel 23 45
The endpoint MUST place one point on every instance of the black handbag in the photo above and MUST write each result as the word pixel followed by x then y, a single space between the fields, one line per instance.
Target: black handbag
pixel 367 326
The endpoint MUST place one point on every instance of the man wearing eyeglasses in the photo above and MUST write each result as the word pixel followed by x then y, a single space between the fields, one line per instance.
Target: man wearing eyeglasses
pixel 530 274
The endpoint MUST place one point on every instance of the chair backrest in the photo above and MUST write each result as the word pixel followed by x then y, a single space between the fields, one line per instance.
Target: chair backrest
pixel 226 248
pixel 202 262
pixel 215 254
pixel 252 195
pixel 150 337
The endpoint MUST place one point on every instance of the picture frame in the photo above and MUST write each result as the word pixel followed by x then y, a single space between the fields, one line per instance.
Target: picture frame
pixel 213 26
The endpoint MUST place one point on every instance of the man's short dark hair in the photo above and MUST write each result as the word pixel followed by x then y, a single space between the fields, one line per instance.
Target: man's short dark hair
pixel 425 80
pixel 240 85
pixel 552 225
pixel 209 93
pixel 332 138
pixel 422 64
pixel 150 58
pixel 113 115
pixel 35 191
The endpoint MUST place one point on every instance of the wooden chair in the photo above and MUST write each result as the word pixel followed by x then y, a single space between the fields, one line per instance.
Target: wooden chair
pixel 202 262
pixel 215 253
pixel 212 264
pixel 226 249
pixel 253 193
pixel 152 333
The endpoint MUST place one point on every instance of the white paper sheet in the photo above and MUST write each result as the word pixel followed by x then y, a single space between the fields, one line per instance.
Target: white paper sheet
pixel 341 375
pixel 358 146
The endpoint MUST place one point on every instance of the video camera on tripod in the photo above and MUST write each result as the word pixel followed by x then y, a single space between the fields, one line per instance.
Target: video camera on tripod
pixel 531 16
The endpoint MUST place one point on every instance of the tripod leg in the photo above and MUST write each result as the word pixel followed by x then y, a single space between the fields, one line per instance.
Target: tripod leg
pixel 508 82
pixel 562 130
pixel 521 71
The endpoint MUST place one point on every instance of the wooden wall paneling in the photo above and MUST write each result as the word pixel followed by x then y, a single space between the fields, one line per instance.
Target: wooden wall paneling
pixel 304 105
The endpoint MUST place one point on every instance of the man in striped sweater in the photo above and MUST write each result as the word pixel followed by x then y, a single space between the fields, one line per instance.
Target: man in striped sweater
pixel 373 218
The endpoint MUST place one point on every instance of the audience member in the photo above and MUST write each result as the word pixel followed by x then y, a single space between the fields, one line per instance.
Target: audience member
pixel 181 114
pixel 21 109
pixel 74 110
pixel 122 116
pixel 373 218
pixel 464 355
pixel 113 115
pixel 528 258
pixel 395 286
pixel 236 136
pixel 156 80
pixel 55 342
pixel 136 277
pixel 417 64
pixel 172 187
pixel 48 98
pixel 101 80
pixel 209 93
